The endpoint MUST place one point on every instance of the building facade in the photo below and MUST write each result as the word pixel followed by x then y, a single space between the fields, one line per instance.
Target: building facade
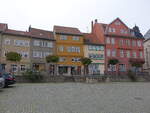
pixel 94 50
pixel 121 43
pixel 147 51
pixel 42 45
pixel 15 41
pixel 69 42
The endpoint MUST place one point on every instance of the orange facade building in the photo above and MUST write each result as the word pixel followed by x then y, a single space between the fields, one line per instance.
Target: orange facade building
pixel 69 43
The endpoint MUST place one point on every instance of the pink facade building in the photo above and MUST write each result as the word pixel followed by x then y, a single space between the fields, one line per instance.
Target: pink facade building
pixel 121 43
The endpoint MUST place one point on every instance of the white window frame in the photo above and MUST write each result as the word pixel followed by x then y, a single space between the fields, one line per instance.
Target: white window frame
pixel 63 37
pixel 75 38
pixel 36 42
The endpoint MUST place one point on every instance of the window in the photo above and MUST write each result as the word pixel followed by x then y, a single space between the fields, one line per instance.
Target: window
pixel 96 56
pixel 141 54
pixel 121 53
pixel 90 47
pixel 101 48
pixel 112 41
pixel 108 52
pixel 128 42
pixel 22 68
pixel 7 41
pixel 62 59
pixel 27 43
pixel 14 68
pixel 45 54
pixel 113 53
pixel 37 54
pixel 75 38
pixel 122 67
pixel 117 23
pixel 134 54
pixel 36 43
pixel 108 40
pixel 123 31
pixel 128 54
pixel 50 44
pixel 133 43
pixel 121 42
pixel 63 37
pixel 24 54
pixel 21 43
pixel 112 30
pixel 61 48
pixel 73 49
pixel 112 68
pixel 139 43
pixel 75 59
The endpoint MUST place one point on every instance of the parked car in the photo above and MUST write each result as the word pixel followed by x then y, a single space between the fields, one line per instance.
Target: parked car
pixel 2 81
pixel 9 79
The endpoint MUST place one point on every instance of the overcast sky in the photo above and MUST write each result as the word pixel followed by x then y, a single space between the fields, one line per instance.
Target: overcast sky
pixel 44 14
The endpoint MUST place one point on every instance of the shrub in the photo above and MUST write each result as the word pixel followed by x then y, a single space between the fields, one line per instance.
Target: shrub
pixel 33 76
pixel 132 76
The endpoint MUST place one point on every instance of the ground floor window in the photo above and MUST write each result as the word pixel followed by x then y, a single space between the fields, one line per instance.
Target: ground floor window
pixel 94 68
pixel 122 67
pixel 69 70
pixel 39 67
pixel 63 69
pixel 14 68
pixel 112 67
pixel 22 67
pixel 136 69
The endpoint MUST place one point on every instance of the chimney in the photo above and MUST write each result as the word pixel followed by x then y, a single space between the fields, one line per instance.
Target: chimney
pixel 95 20
pixel 92 26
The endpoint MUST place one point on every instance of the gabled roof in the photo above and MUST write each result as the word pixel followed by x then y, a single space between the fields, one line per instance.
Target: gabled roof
pixel 132 32
pixel 120 21
pixel 16 32
pixel 90 38
pixel 42 34
pixel 3 26
pixel 67 30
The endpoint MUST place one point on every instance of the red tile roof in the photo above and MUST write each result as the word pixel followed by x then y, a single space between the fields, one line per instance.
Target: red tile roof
pixel 3 26
pixel 67 30
pixel 16 32
pixel 39 33
pixel 90 38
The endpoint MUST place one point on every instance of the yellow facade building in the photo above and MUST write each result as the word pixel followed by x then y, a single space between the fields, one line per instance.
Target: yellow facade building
pixel 69 43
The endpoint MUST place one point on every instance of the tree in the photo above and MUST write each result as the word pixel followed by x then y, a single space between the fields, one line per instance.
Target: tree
pixel 86 62
pixel 113 62
pixel 13 56
pixel 53 59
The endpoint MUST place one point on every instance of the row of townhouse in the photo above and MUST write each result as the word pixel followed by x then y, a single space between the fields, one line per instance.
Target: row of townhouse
pixel 106 41
pixel 33 46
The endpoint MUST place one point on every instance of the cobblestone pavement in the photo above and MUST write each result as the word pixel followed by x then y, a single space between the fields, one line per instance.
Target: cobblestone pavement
pixel 76 98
